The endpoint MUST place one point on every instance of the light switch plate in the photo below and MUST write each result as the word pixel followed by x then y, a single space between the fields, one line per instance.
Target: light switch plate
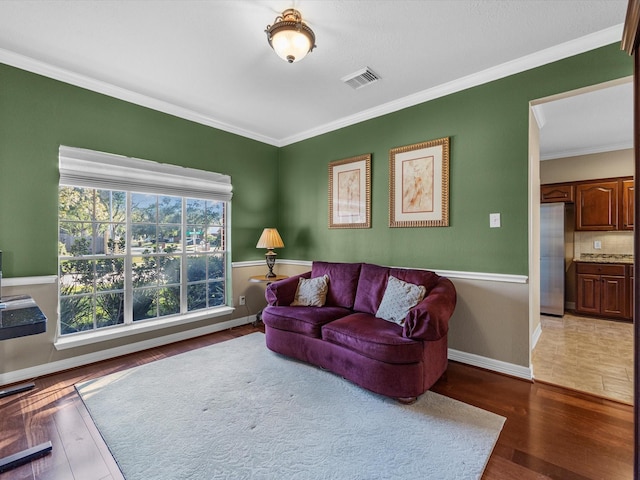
pixel 597 244
pixel 494 220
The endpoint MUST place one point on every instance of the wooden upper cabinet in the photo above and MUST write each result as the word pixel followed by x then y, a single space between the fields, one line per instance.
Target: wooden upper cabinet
pixel 557 193
pixel 605 204
pixel 628 210
pixel 597 205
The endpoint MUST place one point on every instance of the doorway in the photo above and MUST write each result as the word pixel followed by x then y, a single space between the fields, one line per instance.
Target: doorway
pixel 581 135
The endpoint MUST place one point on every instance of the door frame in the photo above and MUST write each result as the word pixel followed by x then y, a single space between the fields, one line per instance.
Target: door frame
pixel 630 43
pixel 536 121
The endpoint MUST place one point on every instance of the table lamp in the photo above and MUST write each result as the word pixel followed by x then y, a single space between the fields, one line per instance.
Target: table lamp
pixel 270 239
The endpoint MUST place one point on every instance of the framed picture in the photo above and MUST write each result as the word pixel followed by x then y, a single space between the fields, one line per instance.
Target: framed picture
pixel 350 192
pixel 419 184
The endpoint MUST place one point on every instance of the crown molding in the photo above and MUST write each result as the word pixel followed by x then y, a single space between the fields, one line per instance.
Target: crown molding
pixel 586 151
pixel 67 76
pixel 539 115
pixel 552 54
pixel 537 59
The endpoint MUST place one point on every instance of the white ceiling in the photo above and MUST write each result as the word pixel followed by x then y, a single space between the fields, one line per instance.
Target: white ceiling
pixel 593 122
pixel 209 60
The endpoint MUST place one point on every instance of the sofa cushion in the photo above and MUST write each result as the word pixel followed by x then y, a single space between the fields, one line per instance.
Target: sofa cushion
pixel 283 292
pixel 426 278
pixel 399 297
pixel 305 320
pixel 311 292
pixel 371 286
pixel 343 281
pixel 373 283
pixel 374 338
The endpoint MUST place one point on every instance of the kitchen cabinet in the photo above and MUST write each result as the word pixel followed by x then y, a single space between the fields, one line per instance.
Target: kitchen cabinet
pixel 557 193
pixel 597 205
pixel 603 290
pixel 628 210
pixel 601 205
pixel 605 205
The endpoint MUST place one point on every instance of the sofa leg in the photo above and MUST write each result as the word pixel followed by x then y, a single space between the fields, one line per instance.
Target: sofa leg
pixel 407 400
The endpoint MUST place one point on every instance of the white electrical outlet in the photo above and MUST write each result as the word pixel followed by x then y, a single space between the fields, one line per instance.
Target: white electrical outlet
pixel 242 300
pixel 597 244
pixel 494 220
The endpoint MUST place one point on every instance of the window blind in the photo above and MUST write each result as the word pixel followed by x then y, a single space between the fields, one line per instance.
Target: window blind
pixel 88 168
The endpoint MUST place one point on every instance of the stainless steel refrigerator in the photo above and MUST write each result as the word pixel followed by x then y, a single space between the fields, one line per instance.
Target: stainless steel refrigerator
pixel 552 258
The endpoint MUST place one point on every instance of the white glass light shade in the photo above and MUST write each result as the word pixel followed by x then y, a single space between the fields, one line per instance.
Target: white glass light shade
pixel 290 37
pixel 291 45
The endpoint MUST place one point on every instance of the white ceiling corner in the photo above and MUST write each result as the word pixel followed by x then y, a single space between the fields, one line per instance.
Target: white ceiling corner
pixel 593 121
pixel 209 61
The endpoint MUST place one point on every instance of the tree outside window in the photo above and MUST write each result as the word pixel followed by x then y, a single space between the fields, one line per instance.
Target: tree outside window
pixel 126 257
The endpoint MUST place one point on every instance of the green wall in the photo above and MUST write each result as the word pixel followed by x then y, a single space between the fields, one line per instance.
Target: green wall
pixel 287 187
pixel 38 114
pixel 488 130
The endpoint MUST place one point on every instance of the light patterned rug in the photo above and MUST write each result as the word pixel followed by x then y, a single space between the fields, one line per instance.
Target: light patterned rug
pixel 235 410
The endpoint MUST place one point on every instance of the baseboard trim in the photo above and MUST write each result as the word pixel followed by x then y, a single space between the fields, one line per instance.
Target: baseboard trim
pixel 490 364
pixel 82 360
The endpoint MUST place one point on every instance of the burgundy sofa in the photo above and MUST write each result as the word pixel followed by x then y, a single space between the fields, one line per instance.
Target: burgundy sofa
pixel 345 337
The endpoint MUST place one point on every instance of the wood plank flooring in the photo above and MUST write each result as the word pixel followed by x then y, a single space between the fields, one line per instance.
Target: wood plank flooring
pixel 592 355
pixel 550 432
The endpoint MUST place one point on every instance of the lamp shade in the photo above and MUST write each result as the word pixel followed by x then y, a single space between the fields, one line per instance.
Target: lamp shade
pixel 269 239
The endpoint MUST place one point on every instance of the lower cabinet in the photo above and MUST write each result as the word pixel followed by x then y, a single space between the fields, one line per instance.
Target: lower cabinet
pixel 604 290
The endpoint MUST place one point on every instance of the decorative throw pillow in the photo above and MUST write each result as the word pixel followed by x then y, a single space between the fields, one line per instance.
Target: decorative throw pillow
pixel 398 299
pixel 311 292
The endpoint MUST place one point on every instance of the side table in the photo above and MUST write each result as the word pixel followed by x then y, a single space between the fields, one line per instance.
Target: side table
pixel 268 281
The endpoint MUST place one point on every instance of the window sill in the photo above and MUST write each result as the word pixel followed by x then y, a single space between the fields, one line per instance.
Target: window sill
pixel 106 334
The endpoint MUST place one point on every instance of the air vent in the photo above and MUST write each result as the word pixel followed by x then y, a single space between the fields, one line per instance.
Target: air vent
pixel 361 78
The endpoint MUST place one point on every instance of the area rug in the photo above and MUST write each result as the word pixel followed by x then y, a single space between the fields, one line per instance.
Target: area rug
pixel 236 410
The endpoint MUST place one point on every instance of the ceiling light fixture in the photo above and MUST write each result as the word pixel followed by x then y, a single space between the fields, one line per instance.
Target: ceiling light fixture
pixel 290 37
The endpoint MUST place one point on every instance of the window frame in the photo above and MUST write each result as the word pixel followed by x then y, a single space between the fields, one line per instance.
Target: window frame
pixel 82 168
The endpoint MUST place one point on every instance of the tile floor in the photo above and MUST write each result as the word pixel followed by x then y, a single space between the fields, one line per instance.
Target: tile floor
pixel 586 354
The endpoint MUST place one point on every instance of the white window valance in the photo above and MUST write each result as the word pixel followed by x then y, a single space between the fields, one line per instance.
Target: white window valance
pixel 88 168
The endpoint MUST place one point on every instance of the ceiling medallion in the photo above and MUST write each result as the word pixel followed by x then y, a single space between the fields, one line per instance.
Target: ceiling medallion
pixel 290 37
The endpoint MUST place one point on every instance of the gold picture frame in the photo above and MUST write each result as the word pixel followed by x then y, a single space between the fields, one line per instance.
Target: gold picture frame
pixel 350 192
pixel 419 184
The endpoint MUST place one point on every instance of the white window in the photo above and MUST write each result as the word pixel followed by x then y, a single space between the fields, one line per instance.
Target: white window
pixel 139 241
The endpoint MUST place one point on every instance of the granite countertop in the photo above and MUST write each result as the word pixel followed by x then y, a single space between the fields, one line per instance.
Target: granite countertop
pixel 605 258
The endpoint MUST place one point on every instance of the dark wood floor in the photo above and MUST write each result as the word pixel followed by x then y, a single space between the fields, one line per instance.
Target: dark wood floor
pixel 550 433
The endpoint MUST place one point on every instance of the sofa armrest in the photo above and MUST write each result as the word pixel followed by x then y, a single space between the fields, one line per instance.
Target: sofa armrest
pixel 429 320
pixel 282 292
